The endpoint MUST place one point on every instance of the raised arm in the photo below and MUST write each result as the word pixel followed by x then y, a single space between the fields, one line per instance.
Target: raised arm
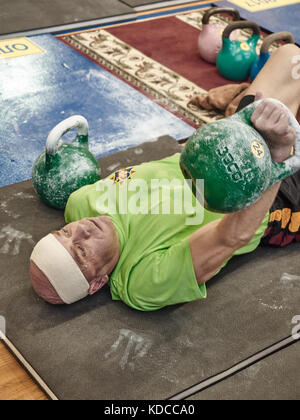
pixel 216 242
pixel 212 245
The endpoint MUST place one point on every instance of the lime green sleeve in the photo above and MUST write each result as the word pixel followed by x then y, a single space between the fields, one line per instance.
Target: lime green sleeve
pixel 163 278
pixel 81 204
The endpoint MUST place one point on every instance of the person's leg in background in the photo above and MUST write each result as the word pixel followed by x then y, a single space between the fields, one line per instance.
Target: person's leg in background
pixel 279 78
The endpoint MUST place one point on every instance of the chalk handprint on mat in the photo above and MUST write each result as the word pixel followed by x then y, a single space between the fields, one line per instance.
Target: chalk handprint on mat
pixel 5 204
pixel 137 347
pixel 12 240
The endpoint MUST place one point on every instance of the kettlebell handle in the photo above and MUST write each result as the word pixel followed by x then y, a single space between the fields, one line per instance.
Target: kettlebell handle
pixel 280 36
pixel 242 24
pixel 77 121
pixel 216 10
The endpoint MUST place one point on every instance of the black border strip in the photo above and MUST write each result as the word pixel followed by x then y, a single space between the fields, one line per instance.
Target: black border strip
pixel 159 4
pixel 195 389
pixel 71 26
pixel 213 380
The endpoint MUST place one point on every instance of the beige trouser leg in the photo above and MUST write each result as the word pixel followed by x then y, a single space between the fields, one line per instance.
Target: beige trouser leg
pixel 280 78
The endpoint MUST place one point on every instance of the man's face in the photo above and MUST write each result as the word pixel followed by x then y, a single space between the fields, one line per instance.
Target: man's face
pixel 89 241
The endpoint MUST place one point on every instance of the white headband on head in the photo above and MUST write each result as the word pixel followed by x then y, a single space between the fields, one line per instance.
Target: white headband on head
pixel 52 258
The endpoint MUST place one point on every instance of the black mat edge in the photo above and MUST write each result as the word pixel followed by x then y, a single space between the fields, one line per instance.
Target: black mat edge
pixel 159 4
pixel 50 30
pixel 239 367
pixel 183 395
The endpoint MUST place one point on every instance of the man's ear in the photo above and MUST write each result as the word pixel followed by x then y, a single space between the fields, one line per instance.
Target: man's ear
pixel 97 284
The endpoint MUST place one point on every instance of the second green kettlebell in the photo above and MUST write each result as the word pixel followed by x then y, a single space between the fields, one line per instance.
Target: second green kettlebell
pixel 64 168
pixel 236 58
pixel 235 162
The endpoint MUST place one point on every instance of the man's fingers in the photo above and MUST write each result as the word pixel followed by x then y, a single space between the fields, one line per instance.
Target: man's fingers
pixel 264 111
pixel 283 124
pixel 275 117
pixel 272 121
pixel 261 117
pixel 259 96
pixel 268 114
pixel 258 112
pixel 271 111
pixel 283 121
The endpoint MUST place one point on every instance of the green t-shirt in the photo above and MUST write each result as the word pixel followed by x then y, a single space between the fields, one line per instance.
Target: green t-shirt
pixel 155 268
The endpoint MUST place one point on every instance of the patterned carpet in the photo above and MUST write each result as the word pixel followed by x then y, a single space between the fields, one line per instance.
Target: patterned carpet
pixel 163 79
pixel 162 84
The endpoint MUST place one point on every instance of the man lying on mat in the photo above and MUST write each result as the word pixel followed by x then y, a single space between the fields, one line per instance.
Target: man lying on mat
pixel 152 260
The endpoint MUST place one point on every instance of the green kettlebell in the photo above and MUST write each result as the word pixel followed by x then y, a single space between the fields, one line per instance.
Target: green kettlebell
pixel 64 168
pixel 236 58
pixel 235 162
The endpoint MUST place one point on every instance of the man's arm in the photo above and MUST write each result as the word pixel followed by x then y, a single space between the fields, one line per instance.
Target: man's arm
pixel 216 242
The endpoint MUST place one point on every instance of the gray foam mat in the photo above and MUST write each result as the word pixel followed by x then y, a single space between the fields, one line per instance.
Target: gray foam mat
pixel 136 3
pixel 26 15
pixel 151 4
pixel 275 378
pixel 100 349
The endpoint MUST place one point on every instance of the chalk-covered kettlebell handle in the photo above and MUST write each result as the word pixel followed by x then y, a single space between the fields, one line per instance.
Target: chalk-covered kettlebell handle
pixel 77 121
pixel 294 161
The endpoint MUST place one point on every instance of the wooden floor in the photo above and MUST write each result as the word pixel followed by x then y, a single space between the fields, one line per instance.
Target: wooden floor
pixel 15 383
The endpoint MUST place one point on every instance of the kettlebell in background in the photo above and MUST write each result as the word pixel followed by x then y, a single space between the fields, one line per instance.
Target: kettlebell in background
pixel 236 58
pixel 210 39
pixel 235 162
pixel 65 167
pixel 265 51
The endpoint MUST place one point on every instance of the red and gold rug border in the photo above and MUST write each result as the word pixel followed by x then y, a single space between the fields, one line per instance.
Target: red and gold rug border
pixel 158 82
pixel 148 95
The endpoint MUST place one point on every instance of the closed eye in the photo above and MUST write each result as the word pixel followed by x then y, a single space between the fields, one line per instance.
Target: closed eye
pixel 66 232
pixel 82 251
